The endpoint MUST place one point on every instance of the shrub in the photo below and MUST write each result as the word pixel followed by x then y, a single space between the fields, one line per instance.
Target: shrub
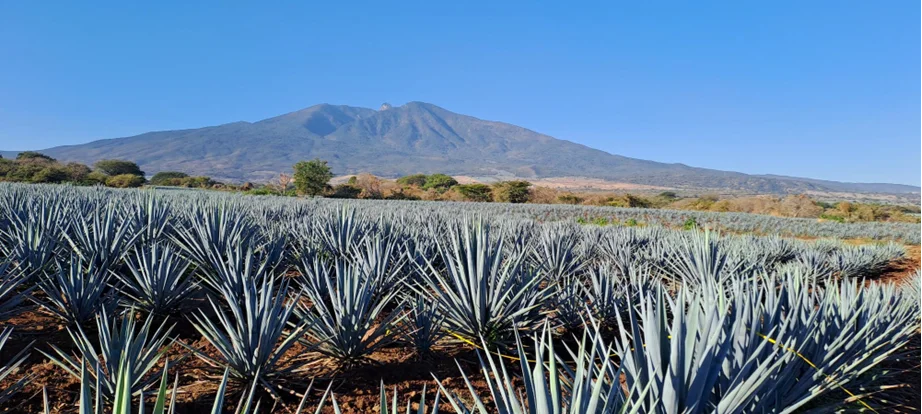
pixel 511 191
pixel 197 182
pixel 166 177
pixel 30 155
pixel 418 180
pixel 475 192
pixel 125 181
pixel 369 184
pixel 94 178
pixel 25 171
pixel 118 167
pixel 77 172
pixel 832 217
pixel 6 166
pixel 51 174
pixel 439 182
pixel 261 191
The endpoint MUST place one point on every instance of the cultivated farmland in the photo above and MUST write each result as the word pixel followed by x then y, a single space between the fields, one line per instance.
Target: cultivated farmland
pixel 185 301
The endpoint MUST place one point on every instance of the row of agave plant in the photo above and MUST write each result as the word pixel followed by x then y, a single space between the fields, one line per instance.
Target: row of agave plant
pixel 663 321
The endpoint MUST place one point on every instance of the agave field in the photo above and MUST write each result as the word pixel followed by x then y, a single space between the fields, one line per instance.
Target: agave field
pixel 132 301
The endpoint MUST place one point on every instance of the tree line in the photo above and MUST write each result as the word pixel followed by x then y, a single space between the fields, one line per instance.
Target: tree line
pixel 312 178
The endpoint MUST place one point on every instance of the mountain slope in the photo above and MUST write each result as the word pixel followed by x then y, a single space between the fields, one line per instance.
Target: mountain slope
pixel 416 137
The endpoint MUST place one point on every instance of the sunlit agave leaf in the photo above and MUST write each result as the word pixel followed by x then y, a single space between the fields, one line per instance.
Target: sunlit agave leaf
pixel 556 253
pixel 157 280
pixel 548 383
pixel 150 216
pixel 346 318
pixel 482 293
pixel 394 402
pixel 119 340
pixel 103 237
pixel 251 335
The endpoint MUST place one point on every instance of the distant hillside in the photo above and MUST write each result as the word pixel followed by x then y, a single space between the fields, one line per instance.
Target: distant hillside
pixel 413 138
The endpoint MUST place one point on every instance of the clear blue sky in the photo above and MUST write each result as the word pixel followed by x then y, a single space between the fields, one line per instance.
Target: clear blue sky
pixel 808 88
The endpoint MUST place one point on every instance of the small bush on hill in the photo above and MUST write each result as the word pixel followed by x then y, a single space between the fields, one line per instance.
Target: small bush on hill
pixel 167 177
pixel 418 180
pixel 511 191
pixel 439 182
pixel 475 192
pixel 118 167
pixel 125 181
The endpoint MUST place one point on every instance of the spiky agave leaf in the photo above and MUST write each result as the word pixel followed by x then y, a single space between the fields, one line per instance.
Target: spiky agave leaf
pixel 699 260
pixel 77 291
pixel 212 229
pixel 157 280
pixel 150 216
pixel 698 360
pixel 11 296
pixel 103 237
pixel 11 367
pixel 251 335
pixel 239 266
pixel 482 293
pixel 340 233
pixel 768 348
pixel 346 318
pixel 606 294
pixel 843 332
pixel 569 303
pixel 380 257
pixel 549 384
pixel 423 324
pixel 32 236
pixel 394 402
pixel 123 345
pixel 557 254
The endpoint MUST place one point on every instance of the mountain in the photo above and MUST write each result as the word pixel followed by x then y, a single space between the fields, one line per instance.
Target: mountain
pixel 413 138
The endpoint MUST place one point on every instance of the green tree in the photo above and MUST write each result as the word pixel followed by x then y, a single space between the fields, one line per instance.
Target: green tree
pixel 25 171
pixel 52 174
pixel 167 177
pixel 439 182
pixel 118 167
pixel 77 172
pixel 629 200
pixel 511 191
pixel 6 166
pixel 197 182
pixel 311 177
pixel 125 181
pixel 29 155
pixel 418 180
pixel 475 192
pixel 95 178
